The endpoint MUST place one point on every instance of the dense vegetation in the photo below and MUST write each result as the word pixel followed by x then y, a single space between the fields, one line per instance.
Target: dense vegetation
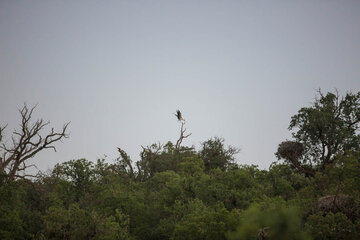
pixel 178 192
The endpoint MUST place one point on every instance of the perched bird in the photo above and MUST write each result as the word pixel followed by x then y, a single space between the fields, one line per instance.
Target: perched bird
pixel 179 116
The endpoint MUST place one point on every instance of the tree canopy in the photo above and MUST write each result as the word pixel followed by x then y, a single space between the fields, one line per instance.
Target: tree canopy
pixel 179 192
pixel 323 131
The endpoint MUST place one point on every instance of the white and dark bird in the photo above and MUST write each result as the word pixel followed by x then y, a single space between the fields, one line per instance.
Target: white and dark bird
pixel 179 115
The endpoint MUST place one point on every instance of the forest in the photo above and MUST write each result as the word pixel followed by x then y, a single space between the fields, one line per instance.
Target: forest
pixel 178 192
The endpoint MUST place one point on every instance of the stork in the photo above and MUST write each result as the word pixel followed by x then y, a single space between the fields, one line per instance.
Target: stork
pixel 179 116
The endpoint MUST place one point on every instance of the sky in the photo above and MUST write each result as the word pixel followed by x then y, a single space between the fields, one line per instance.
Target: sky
pixel 118 70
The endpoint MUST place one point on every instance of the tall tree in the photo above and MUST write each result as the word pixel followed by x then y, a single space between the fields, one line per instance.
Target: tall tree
pixel 26 143
pixel 215 155
pixel 327 128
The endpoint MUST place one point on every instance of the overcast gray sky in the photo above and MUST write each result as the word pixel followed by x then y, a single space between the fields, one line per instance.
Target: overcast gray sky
pixel 118 70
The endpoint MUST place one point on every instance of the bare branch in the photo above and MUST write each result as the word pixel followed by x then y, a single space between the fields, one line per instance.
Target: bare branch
pixel 27 142
pixel 1 132
pixel 182 136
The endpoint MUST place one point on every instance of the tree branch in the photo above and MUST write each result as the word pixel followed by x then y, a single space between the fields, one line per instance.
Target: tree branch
pixel 27 142
pixel 182 136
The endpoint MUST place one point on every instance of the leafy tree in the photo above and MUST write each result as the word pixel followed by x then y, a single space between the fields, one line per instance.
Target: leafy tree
pixel 344 177
pixel 76 223
pixel 215 155
pixel 327 128
pixel 280 178
pixel 79 172
pixel 124 164
pixel 269 221
pixel 191 166
pixel 11 224
pixel 159 158
pixel 235 188
pixel 331 226
pixel 202 222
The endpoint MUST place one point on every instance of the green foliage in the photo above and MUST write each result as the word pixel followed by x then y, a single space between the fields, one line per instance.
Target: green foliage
pixel 202 222
pixel 284 181
pixel 78 172
pixel 269 221
pixel 10 220
pixel 236 188
pixel 191 166
pixel 215 155
pixel 158 158
pixel 82 200
pixel 181 193
pixel 77 223
pixel 331 226
pixel 328 128
pixel 345 175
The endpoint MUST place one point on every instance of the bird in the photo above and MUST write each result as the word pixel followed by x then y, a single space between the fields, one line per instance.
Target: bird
pixel 179 115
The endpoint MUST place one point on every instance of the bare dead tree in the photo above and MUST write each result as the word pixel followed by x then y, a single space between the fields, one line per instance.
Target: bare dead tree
pixel 182 136
pixel 26 143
